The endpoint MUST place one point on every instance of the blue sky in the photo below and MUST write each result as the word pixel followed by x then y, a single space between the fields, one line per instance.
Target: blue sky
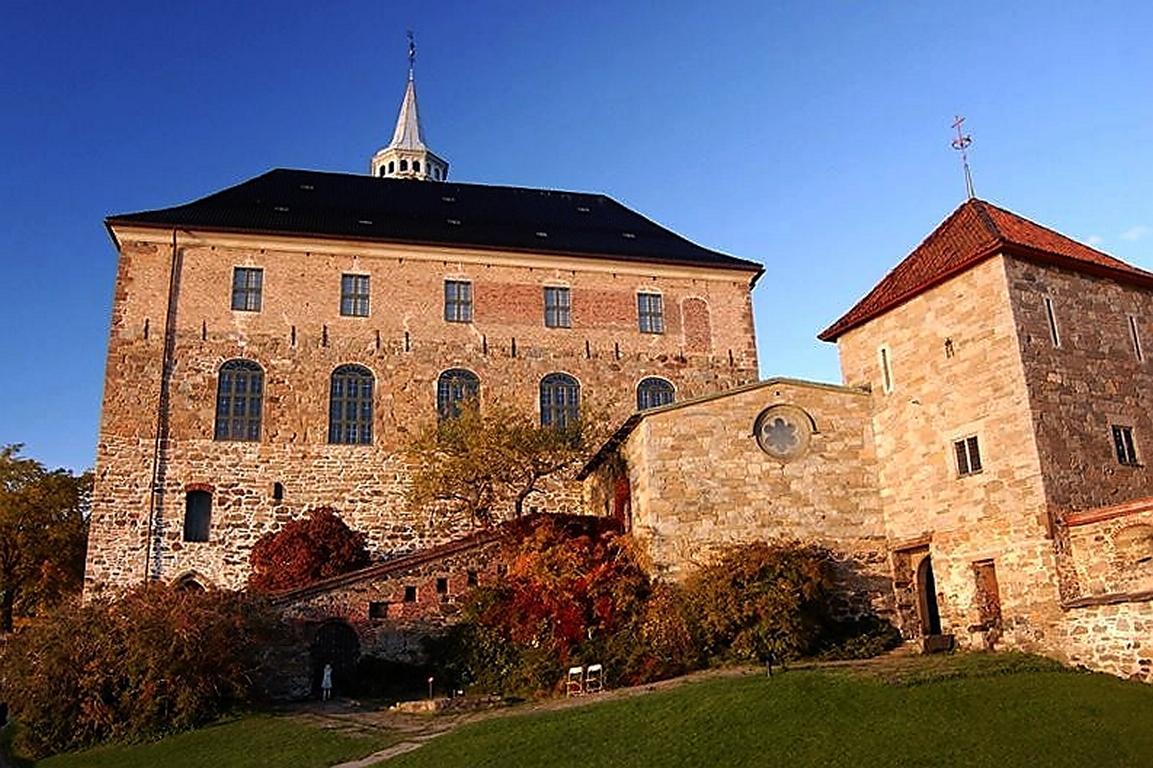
pixel 813 137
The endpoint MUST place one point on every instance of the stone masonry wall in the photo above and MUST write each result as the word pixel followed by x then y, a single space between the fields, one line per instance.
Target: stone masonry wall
pixel 956 372
pixel 700 482
pixel 298 338
pixel 1091 381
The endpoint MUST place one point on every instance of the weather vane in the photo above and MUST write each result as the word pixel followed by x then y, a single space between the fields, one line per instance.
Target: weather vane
pixel 961 144
pixel 411 53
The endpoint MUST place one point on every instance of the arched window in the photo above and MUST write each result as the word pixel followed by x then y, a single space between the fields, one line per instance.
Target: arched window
pixel 382 170
pixel 404 165
pixel 560 400
pixel 653 392
pixel 392 166
pixel 197 515
pixel 416 165
pixel 453 388
pixel 239 392
pixel 350 406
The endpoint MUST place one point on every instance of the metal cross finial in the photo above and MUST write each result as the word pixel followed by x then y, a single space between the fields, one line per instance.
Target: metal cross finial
pixel 411 53
pixel 961 144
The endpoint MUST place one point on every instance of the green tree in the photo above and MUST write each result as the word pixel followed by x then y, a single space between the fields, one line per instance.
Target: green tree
pixel 479 461
pixel 43 534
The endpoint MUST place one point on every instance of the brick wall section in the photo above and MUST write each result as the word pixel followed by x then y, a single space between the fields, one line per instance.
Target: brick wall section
pixel 975 385
pixel 700 482
pixel 299 337
pixel 398 634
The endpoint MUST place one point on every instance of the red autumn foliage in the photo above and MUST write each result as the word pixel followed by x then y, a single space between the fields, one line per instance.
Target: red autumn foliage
pixel 304 551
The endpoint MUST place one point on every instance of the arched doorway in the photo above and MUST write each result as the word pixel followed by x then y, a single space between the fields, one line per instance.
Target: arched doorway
pixel 622 503
pixel 335 643
pixel 927 598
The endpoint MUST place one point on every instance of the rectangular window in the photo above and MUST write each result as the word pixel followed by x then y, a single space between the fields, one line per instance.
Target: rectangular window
pixel 354 295
pixel 1049 313
pixel 968 456
pixel 886 371
pixel 458 301
pixel 473 579
pixel 557 308
pixel 651 312
pixel 1123 445
pixel 410 594
pixel 378 609
pixel 1135 337
pixel 246 285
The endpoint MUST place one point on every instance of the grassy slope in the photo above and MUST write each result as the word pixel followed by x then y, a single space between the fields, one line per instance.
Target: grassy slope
pixel 811 718
pixel 250 742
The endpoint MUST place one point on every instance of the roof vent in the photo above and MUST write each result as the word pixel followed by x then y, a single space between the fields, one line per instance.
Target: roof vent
pixel 454 222
pixel 307 186
pixel 281 208
pixel 364 221
pixel 628 235
pixel 448 199
pixel 542 234
pixel 582 209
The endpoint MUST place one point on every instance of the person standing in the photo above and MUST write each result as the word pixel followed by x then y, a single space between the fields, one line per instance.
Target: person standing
pixel 326 683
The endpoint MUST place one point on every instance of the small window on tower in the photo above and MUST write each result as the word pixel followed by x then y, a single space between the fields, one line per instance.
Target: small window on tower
pixel 416 165
pixel 404 165
pixel 392 166
pixel 1124 446
pixel 968 454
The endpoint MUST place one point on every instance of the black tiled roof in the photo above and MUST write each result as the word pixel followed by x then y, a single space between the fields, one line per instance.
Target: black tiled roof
pixel 313 203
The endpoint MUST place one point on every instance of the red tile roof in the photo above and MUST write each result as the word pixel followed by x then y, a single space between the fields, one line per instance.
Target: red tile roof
pixel 974 232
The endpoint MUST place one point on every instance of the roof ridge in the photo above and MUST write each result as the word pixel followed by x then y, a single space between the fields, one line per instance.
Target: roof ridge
pixel 979 206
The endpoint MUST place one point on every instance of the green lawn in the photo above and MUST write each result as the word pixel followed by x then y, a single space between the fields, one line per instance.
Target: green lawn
pixel 954 714
pixel 1004 711
pixel 256 741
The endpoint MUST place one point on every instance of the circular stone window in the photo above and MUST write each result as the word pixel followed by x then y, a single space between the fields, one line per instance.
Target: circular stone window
pixel 783 432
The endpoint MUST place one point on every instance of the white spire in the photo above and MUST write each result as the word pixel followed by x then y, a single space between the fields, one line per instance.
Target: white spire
pixel 407 156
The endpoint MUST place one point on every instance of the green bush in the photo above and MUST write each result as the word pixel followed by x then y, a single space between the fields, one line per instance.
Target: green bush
pixel 154 661
pixel 762 600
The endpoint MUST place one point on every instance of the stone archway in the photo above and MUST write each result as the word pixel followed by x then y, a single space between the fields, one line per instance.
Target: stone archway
pixel 335 643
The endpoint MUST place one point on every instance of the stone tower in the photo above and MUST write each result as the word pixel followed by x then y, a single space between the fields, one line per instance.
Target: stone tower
pixel 407 156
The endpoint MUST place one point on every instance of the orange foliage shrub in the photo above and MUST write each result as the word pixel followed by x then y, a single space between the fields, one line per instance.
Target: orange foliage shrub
pixel 154 661
pixel 306 550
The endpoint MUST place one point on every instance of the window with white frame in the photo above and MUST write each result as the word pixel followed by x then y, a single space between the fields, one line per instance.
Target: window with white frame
pixel 557 307
pixel 968 453
pixel 354 295
pixel 458 301
pixel 247 284
pixel 651 312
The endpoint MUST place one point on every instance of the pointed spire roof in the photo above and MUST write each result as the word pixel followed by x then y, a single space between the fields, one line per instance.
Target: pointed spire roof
pixel 408 134
pixel 978 230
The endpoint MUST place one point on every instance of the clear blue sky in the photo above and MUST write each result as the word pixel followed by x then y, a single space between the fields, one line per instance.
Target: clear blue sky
pixel 810 136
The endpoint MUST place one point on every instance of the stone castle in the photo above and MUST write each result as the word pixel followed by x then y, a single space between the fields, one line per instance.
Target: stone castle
pixel 275 345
